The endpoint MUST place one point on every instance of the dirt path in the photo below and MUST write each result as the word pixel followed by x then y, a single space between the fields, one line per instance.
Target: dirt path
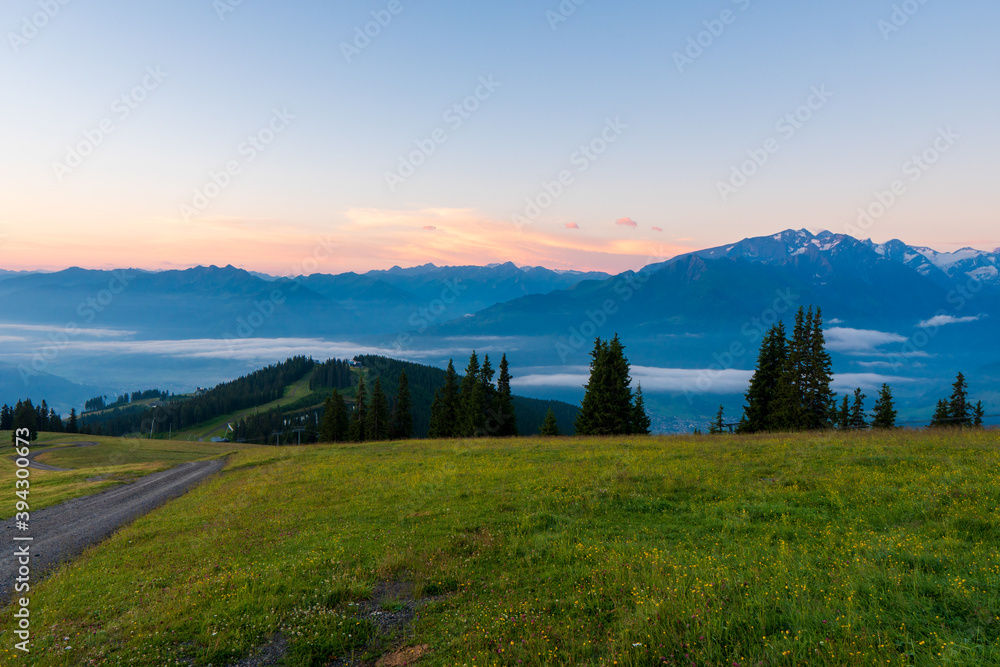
pixel 63 531
pixel 44 466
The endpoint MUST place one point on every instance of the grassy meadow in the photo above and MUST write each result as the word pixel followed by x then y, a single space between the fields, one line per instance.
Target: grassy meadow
pixel 816 549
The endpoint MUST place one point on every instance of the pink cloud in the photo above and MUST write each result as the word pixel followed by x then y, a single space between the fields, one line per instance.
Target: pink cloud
pixel 430 228
pixel 572 225
pixel 627 222
pixel 657 229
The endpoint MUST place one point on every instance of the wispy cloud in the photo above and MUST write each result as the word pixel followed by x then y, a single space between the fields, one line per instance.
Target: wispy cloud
pixel 626 222
pixel 941 320
pixel 852 341
pixel 48 328
pixel 465 237
pixel 653 379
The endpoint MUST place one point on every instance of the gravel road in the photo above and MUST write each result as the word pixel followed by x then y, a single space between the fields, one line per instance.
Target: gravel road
pixel 32 463
pixel 63 531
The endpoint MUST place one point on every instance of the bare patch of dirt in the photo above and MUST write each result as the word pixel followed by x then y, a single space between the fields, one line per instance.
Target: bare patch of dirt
pixel 402 657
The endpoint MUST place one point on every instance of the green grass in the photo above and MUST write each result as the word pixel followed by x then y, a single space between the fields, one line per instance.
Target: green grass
pixel 779 550
pixel 114 461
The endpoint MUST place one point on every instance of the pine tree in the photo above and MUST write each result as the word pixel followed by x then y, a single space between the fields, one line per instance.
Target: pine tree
pixel 762 395
pixel 445 409
pixel 844 415
pixel 591 419
pixel 977 415
pixel 958 407
pixel 25 417
pixel 336 425
pixel 473 407
pixel 788 413
pixel 718 424
pixel 489 392
pixel 549 426
pixel 72 425
pixel 942 416
pixel 619 390
pixel 360 417
pixel 819 397
pixel 884 414
pixel 377 425
pixel 504 403
pixel 640 420
pixel 402 410
pixel 858 422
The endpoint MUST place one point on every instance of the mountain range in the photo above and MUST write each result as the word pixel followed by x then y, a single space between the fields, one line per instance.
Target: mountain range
pixel 894 312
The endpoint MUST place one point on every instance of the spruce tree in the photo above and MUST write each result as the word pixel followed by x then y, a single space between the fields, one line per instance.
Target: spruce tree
pixel 718 424
pixel 942 416
pixel 640 420
pixel 445 409
pixel 377 424
pixel 857 422
pixel 402 410
pixel 789 414
pixel 473 408
pixel 504 404
pixel 359 419
pixel 818 396
pixel 844 415
pixel 762 395
pixel 958 407
pixel 72 424
pixel 550 427
pixel 336 424
pixel 977 415
pixel 591 418
pixel 884 414
pixel 619 390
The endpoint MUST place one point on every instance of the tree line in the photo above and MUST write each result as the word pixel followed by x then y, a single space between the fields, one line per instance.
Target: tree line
pixel 791 389
pixel 25 414
pixel 474 406
pixel 176 413
pixel 100 402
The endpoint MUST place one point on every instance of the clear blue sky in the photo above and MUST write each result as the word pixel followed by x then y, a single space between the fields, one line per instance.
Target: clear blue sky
pixel 132 200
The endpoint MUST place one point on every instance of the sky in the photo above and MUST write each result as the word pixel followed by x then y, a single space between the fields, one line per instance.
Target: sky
pixel 580 134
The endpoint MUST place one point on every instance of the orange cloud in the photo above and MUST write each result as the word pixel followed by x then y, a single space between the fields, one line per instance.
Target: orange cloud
pixel 572 225
pixel 379 238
